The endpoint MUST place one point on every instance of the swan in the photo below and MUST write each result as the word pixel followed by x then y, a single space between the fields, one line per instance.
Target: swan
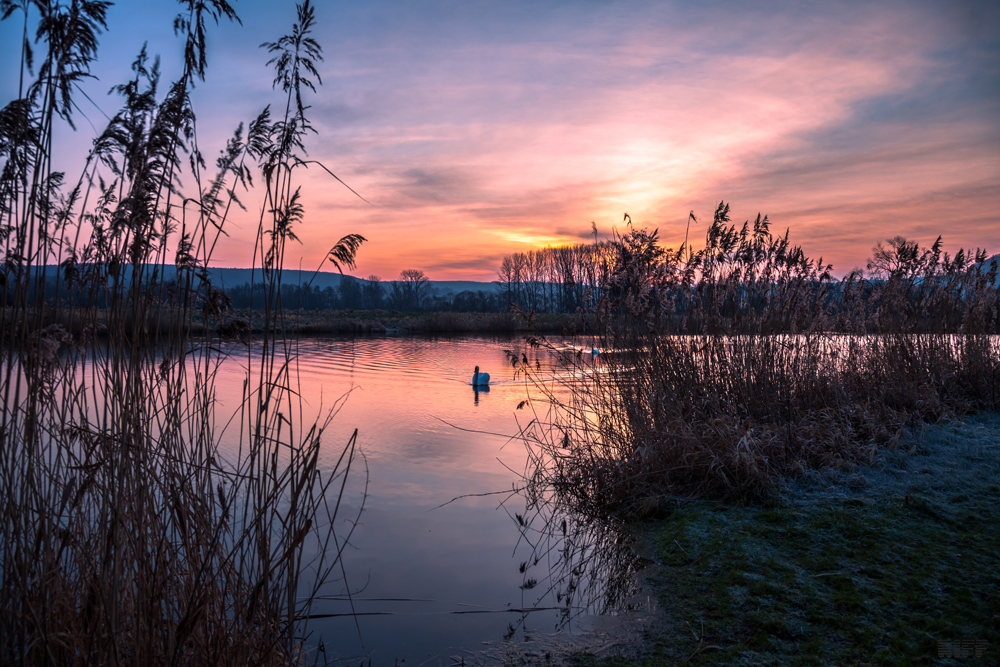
pixel 480 379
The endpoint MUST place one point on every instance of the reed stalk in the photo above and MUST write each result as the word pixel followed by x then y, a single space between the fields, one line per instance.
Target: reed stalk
pixel 724 371
pixel 127 537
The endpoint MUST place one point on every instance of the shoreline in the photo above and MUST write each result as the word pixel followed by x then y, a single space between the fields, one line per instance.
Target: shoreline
pixel 238 323
pixel 312 322
pixel 892 564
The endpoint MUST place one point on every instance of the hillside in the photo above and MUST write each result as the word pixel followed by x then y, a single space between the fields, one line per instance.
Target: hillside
pixel 226 278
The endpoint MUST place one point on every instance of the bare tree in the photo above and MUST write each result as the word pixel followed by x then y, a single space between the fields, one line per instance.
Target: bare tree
pixel 374 294
pixel 411 290
pixel 893 255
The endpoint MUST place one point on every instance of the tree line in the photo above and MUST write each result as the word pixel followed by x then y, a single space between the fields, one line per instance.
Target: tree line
pixel 412 292
pixel 557 279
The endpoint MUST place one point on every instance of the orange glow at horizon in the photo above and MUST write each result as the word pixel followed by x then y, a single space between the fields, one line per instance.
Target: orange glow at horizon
pixel 478 131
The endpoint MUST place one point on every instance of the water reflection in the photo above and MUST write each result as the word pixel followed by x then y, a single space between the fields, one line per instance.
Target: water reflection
pixel 585 564
pixel 476 389
pixel 425 578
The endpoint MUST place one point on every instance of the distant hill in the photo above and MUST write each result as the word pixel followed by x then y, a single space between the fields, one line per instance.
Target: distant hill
pixel 446 287
pixel 228 278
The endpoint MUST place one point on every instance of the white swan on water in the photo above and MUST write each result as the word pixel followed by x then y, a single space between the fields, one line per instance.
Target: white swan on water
pixel 480 379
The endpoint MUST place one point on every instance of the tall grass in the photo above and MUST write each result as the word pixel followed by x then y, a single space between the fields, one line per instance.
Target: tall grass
pixel 126 535
pixel 724 371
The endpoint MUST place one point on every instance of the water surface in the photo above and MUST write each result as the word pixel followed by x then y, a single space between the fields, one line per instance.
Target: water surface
pixel 430 579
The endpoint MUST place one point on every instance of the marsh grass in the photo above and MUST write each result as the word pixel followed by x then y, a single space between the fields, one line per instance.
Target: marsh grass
pixel 385 321
pixel 726 370
pixel 319 322
pixel 893 564
pixel 127 537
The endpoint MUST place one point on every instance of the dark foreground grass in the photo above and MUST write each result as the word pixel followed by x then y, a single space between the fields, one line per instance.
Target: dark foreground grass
pixel 897 564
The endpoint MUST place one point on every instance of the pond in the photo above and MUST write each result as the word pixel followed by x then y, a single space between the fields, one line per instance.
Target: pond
pixel 436 569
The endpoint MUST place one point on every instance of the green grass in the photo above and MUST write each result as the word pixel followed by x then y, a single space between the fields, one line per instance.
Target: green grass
pixel 872 567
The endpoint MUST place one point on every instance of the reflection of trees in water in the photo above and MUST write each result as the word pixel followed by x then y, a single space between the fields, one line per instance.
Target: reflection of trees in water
pixel 578 563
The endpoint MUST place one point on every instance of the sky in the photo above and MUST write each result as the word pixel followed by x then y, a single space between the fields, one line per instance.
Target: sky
pixel 477 129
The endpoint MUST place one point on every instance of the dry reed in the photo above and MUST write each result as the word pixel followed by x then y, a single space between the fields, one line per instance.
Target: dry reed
pixel 126 536
pixel 724 371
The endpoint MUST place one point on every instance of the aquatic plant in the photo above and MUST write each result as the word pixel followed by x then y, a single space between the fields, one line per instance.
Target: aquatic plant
pixel 723 371
pixel 126 534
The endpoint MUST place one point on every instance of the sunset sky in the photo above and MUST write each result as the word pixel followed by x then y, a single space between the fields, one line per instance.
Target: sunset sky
pixel 476 129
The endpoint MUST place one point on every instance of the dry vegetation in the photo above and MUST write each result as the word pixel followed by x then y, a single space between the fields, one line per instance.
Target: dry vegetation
pixel 725 370
pixel 125 537
pixel 320 322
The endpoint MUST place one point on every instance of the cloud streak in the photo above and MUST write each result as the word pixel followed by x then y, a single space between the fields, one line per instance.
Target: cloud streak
pixel 478 129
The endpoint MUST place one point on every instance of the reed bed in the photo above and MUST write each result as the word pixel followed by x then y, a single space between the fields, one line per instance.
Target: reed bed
pixel 464 323
pixel 490 323
pixel 722 372
pixel 384 321
pixel 318 322
pixel 125 535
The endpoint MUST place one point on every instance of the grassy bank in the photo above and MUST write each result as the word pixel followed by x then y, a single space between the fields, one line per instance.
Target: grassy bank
pixel 315 322
pixel 82 324
pixel 884 565
pixel 743 375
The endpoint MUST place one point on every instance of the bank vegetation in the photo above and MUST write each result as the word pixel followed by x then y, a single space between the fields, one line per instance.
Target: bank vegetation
pixel 127 536
pixel 721 372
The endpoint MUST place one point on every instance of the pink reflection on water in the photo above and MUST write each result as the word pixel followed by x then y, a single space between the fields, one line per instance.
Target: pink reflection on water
pixel 428 437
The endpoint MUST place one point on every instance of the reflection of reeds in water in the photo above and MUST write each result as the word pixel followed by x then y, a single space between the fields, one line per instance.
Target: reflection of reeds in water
pixel 584 564
pixel 745 362
pixel 125 535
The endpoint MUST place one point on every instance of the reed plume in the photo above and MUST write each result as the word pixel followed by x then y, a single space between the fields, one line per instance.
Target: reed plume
pixel 723 371
pixel 127 535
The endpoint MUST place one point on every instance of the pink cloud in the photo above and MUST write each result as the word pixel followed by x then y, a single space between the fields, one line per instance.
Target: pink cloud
pixel 475 131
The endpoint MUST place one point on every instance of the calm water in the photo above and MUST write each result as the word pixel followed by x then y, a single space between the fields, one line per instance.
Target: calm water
pixel 429 582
